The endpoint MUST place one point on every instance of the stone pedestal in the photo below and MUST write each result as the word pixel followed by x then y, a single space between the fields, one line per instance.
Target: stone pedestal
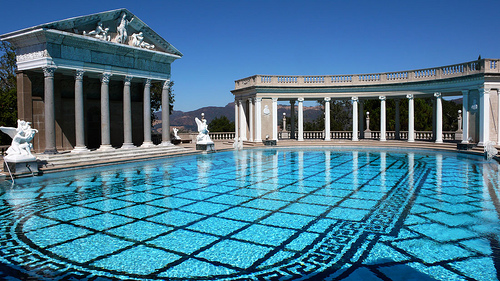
pixel 459 136
pixel 205 147
pixel 269 142
pixel 368 134
pixel 20 167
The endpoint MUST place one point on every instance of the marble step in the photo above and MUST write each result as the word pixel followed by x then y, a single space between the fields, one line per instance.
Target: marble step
pixel 105 156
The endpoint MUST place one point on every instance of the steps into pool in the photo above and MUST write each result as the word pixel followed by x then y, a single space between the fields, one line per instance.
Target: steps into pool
pixel 95 157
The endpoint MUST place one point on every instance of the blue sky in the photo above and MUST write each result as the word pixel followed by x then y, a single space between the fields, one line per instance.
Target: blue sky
pixel 223 41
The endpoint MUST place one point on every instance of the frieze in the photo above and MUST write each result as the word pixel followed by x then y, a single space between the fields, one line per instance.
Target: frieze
pixel 32 56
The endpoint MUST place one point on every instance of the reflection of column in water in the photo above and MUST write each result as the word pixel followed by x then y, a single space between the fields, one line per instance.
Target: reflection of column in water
pixel 439 172
pixel 482 178
pixel 275 169
pixel 328 176
pixel 258 165
pixel 128 178
pixel 411 169
pixel 355 165
pixel 243 164
pixel 301 170
pixel 203 165
pixel 383 166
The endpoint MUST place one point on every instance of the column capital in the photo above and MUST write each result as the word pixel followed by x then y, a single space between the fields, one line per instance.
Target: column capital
pixel 438 95
pixel 410 96
pixel 79 74
pixel 128 80
pixel 300 99
pixel 166 84
pixel 328 98
pixel 484 90
pixel 465 92
pixel 147 82
pixel 105 77
pixel 382 98
pixel 48 71
pixel 258 99
pixel 250 100
pixel 275 99
pixel 354 99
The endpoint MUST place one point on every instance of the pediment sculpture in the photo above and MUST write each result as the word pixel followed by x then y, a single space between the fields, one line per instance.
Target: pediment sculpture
pixel 121 36
pixel 20 148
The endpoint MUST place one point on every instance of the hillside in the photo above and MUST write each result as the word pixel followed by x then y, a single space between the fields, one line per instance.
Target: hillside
pixel 185 120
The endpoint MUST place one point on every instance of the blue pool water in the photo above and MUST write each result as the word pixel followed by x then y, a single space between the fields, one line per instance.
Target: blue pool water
pixel 316 214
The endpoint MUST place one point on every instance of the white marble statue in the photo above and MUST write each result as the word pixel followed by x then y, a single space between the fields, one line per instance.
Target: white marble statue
pixel 489 150
pixel 100 32
pixel 175 130
pixel 121 29
pixel 203 137
pixel 137 40
pixel 20 148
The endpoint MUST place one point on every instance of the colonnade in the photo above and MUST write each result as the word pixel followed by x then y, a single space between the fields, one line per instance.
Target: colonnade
pixel 255 128
pixel 50 135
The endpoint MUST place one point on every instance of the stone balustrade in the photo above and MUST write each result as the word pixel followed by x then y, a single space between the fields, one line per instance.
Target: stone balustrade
pixel 347 135
pixel 484 66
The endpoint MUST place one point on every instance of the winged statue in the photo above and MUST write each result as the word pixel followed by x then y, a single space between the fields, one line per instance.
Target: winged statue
pixel 203 137
pixel 20 148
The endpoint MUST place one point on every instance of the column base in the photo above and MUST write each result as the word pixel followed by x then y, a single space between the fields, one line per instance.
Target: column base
pixel 439 141
pixel 383 139
pixel 328 139
pixel 51 151
pixel 127 146
pixel 411 140
pixel 300 140
pixel 466 141
pixel 148 144
pixel 166 143
pixel 105 147
pixel 355 139
pixel 80 149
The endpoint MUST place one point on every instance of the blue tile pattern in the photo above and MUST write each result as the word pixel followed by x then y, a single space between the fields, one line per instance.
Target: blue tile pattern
pixel 314 214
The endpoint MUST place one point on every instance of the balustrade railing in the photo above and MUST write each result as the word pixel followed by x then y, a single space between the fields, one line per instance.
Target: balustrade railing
pixel 390 135
pixel 222 135
pixel 418 75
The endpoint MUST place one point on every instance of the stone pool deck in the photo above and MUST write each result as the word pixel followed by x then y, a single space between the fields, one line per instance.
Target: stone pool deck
pixel 70 161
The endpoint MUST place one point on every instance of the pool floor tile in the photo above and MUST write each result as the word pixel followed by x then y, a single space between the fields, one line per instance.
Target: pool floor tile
pixel 140 230
pixel 217 226
pixel 176 218
pixel 140 260
pixel 194 268
pixel 287 220
pixel 184 241
pixel 235 253
pixel 268 235
pixel 55 234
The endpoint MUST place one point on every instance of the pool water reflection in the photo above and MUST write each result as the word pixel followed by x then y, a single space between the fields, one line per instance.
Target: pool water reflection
pixel 319 213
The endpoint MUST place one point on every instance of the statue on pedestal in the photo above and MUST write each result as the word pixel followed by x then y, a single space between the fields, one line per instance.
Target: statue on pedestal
pixel 203 141
pixel 20 148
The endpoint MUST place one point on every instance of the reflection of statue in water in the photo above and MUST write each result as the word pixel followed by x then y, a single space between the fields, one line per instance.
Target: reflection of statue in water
pixel 20 148
pixel 203 137
pixel 122 35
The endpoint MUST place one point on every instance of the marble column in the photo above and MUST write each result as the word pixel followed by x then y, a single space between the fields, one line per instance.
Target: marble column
pixel 251 121
pixel 433 119
pixel 498 116
pixel 105 119
pixel 236 120
pixel 361 121
pixel 275 118
pixel 258 119
pixel 127 113
pixel 484 114
pixel 398 125
pixel 465 116
pixel 147 114
pixel 79 114
pixel 411 118
pixel 243 121
pixel 355 116
pixel 301 119
pixel 49 107
pixel 382 118
pixel 292 117
pixel 165 114
pixel 439 118
pixel 327 119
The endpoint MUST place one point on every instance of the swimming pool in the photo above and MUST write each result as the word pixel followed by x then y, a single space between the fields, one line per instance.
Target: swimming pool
pixel 318 213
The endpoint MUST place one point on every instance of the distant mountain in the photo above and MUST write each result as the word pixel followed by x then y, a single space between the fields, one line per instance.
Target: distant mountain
pixel 185 120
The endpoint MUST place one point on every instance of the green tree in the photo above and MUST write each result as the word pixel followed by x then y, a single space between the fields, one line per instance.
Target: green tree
pixel 221 124
pixel 156 90
pixel 8 91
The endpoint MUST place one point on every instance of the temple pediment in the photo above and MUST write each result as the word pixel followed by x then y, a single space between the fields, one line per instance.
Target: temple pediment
pixel 116 26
